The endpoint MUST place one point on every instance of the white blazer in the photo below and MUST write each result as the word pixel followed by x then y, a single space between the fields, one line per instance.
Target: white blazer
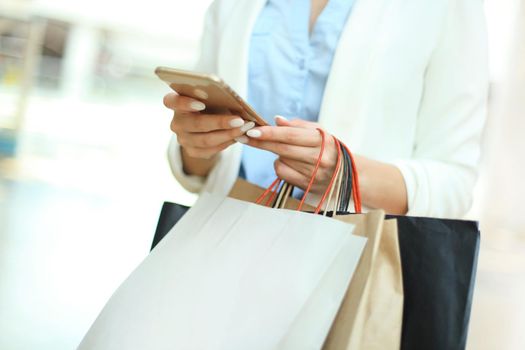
pixel 408 86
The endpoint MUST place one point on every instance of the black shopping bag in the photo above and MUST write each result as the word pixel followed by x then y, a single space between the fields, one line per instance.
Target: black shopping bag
pixel 438 258
pixel 170 214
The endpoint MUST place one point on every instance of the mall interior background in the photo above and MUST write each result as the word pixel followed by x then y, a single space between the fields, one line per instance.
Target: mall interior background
pixel 83 168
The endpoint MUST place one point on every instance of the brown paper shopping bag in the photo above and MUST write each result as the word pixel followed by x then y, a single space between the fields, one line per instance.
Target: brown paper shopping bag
pixel 370 316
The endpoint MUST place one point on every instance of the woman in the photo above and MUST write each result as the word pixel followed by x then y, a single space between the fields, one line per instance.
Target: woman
pixel 402 82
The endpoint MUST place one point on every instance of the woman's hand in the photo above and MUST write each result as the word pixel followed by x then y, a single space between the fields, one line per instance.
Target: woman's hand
pixel 202 136
pixel 297 143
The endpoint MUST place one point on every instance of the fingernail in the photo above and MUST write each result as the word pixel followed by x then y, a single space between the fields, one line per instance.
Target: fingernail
pixel 241 139
pixel 197 106
pixel 247 126
pixel 254 133
pixel 237 122
pixel 279 117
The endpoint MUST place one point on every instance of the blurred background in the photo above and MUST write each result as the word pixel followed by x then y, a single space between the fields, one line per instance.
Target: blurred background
pixel 83 168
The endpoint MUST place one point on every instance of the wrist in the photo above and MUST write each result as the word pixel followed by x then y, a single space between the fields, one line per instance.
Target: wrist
pixel 381 185
pixel 197 166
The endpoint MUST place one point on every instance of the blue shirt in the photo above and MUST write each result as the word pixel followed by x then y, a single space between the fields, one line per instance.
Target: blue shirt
pixel 288 68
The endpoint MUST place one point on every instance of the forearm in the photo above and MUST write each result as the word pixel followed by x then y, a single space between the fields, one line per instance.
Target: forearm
pixel 382 186
pixel 197 166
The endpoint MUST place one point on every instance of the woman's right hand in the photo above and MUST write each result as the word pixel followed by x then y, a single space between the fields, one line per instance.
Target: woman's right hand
pixel 201 135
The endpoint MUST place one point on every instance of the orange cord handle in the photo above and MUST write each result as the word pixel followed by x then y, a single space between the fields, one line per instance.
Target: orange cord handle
pixel 314 173
pixel 334 175
pixel 268 190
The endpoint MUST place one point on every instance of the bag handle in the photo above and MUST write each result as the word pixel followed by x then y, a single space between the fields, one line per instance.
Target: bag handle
pixel 330 188
pixel 356 193
pixel 276 183
pixel 336 180
pixel 314 173
pixel 337 177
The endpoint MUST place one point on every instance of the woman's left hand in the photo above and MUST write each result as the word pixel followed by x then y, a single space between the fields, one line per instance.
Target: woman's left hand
pixel 297 143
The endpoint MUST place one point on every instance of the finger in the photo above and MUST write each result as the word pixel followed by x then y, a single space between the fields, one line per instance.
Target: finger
pixel 290 175
pixel 322 177
pixel 305 169
pixel 207 153
pixel 308 155
pixel 290 135
pixel 282 121
pixel 182 103
pixel 196 122
pixel 304 124
pixel 208 139
pixel 301 153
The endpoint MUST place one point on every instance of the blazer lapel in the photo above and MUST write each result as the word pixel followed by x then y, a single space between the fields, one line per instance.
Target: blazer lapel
pixel 235 40
pixel 343 106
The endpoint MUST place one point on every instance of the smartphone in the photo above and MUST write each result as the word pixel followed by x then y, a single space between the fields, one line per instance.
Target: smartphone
pixel 211 90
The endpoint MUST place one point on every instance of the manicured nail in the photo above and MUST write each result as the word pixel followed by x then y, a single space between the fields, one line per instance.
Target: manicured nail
pixel 279 117
pixel 241 139
pixel 197 106
pixel 237 122
pixel 254 133
pixel 201 94
pixel 247 126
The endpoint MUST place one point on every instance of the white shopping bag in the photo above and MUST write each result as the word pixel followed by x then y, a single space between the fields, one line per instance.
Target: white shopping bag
pixel 233 275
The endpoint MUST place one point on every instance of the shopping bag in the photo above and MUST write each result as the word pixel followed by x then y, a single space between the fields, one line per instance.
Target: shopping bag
pixel 210 284
pixel 371 313
pixel 370 316
pixel 439 259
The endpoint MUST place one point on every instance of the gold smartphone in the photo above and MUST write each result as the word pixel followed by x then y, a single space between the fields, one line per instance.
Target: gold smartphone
pixel 211 90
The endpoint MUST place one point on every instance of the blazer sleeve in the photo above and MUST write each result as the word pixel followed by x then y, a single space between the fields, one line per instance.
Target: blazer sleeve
pixel 441 175
pixel 206 63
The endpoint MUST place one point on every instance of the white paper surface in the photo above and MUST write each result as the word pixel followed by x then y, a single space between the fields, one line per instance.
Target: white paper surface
pixel 233 275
